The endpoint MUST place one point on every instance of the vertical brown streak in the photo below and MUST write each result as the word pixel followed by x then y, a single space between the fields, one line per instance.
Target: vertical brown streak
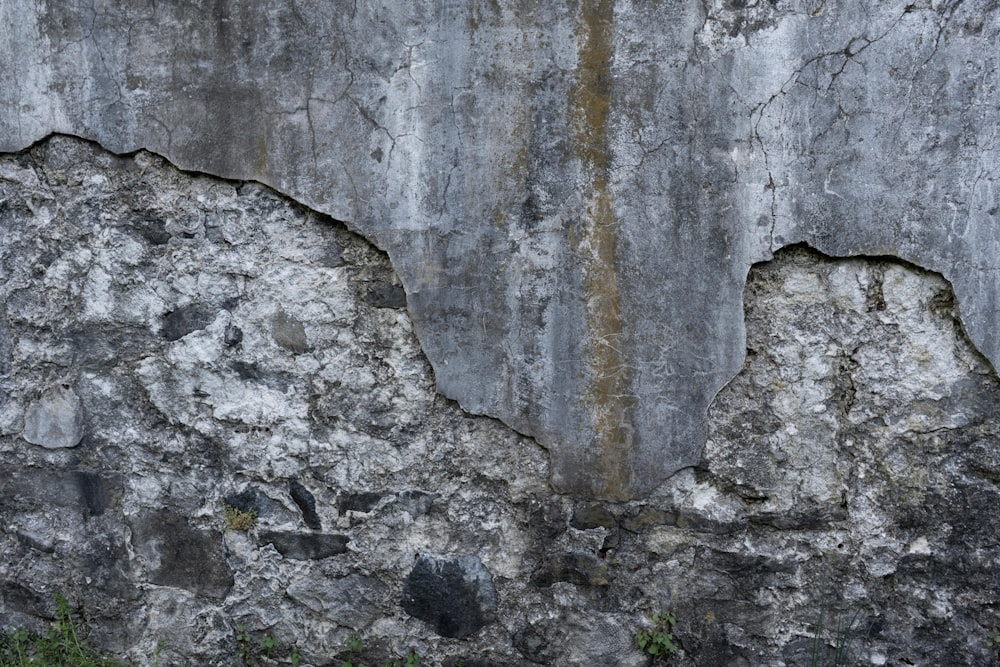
pixel 609 395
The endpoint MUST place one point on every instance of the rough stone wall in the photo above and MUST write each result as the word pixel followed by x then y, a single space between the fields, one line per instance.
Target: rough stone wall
pixel 571 192
pixel 170 342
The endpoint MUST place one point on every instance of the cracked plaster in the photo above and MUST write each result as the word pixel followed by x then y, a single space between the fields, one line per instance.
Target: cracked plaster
pixel 450 134
pixel 851 466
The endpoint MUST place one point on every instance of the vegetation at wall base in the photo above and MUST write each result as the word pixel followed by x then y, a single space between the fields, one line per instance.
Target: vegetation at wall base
pixel 844 636
pixel 993 640
pixel 64 645
pixel 354 645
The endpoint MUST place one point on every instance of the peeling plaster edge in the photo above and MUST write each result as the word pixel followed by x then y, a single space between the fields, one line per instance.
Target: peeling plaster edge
pixel 773 251
pixel 327 219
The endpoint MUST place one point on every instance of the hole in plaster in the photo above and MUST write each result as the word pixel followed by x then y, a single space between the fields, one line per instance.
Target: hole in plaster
pixel 850 362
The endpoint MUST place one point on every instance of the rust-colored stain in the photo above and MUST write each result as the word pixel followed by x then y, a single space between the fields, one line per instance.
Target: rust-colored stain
pixel 610 395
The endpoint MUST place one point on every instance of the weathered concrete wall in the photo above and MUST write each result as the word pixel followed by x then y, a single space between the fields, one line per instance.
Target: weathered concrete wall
pixel 170 342
pixel 570 197
pixel 571 193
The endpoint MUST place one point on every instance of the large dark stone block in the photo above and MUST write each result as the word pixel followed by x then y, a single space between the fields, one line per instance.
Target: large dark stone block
pixel 306 546
pixel 180 555
pixel 456 596
pixel 89 492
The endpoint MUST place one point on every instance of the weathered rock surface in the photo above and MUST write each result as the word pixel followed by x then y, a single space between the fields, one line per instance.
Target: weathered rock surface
pixel 55 419
pixel 571 193
pixel 180 556
pixel 303 546
pixel 454 595
pixel 353 601
pixel 306 502
pixel 850 470
pixel 347 437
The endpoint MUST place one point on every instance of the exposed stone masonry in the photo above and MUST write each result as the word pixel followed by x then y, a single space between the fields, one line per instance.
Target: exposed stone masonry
pixel 571 193
pixel 170 342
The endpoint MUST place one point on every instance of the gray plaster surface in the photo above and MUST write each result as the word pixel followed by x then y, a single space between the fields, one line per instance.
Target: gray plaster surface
pixel 571 193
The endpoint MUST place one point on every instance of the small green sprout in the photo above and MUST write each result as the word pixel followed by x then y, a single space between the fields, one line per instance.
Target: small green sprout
pixel 659 642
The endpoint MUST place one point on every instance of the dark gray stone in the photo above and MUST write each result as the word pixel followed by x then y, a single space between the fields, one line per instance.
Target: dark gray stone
pixel 647 517
pixel 416 503
pixel 102 564
pixel 484 662
pixel 252 499
pixel 360 501
pixel 5 343
pixel 581 569
pixel 289 333
pixel 386 296
pixel 37 541
pixel 176 554
pixel 95 494
pixel 455 595
pixel 333 257
pixel 306 503
pixel 151 228
pixel 19 597
pixel 533 642
pixel 306 546
pixel 193 317
pixel 88 492
pixel 233 335
pixel 265 376
pixel 249 499
pixel 353 601
pixel 592 516
pixel 95 347
pixel 578 639
pixel 805 519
